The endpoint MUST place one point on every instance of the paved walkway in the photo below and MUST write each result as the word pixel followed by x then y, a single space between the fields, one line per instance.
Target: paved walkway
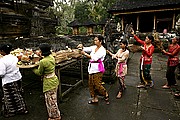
pixel 136 104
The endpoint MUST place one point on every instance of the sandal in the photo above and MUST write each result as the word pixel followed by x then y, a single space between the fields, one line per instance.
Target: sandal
pixel 141 86
pixel 119 95
pixel 177 95
pixel 107 100
pixel 165 87
pixel 152 84
pixel 92 102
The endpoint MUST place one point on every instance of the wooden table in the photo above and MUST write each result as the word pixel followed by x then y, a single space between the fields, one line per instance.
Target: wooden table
pixel 59 67
pixel 65 65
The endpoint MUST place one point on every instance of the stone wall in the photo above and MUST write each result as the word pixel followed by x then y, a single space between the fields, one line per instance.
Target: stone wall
pixel 58 42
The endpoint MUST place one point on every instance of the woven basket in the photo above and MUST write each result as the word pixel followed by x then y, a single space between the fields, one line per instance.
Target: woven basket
pixel 75 54
pixel 64 55
pixel 61 58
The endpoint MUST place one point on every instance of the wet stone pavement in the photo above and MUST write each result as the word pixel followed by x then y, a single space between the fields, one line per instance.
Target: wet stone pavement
pixel 136 104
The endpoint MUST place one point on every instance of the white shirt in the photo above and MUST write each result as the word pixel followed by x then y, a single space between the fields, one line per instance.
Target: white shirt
pixel 9 70
pixel 99 54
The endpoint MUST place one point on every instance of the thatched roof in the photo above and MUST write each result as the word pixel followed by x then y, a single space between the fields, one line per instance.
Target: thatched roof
pixel 102 22
pixel 75 23
pixel 89 22
pixel 139 5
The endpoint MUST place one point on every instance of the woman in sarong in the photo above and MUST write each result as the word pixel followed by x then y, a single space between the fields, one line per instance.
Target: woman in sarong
pixel 13 102
pixel 173 61
pixel 145 60
pixel 96 69
pixel 46 69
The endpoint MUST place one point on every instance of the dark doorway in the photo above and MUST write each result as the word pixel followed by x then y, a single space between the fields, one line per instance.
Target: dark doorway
pixel 165 23
pixel 146 22
pixel 130 19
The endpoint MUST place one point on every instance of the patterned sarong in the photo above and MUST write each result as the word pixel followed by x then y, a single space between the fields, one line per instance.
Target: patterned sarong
pixel 13 101
pixel 51 103
pixel 95 85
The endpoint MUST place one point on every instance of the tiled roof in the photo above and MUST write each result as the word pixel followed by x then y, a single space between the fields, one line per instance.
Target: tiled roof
pixel 131 5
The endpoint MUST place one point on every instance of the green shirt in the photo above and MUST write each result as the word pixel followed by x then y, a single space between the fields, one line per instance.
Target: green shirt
pixel 47 66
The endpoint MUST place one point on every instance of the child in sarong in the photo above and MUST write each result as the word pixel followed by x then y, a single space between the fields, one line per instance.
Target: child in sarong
pixel 122 56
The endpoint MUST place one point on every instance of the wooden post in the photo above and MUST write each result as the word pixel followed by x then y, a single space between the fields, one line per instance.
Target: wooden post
pixel 75 30
pixel 173 22
pixel 57 70
pixel 103 30
pixel 81 70
pixel 137 29
pixel 122 23
pixel 89 30
pixel 155 23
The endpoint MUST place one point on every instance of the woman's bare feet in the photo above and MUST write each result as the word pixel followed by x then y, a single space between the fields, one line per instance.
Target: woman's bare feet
pixel 106 98
pixel 94 100
pixel 119 95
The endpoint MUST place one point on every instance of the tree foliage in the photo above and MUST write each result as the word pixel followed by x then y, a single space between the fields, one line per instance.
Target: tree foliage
pixel 81 11
pixel 69 10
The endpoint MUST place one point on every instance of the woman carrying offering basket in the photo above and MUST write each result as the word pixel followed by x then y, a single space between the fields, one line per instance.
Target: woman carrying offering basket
pixel 50 81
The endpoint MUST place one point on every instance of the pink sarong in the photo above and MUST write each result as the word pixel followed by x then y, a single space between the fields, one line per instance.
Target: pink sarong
pixel 120 71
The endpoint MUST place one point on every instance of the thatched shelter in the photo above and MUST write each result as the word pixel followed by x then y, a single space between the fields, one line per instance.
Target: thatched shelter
pixel 89 24
pixel 147 15
pixel 75 25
